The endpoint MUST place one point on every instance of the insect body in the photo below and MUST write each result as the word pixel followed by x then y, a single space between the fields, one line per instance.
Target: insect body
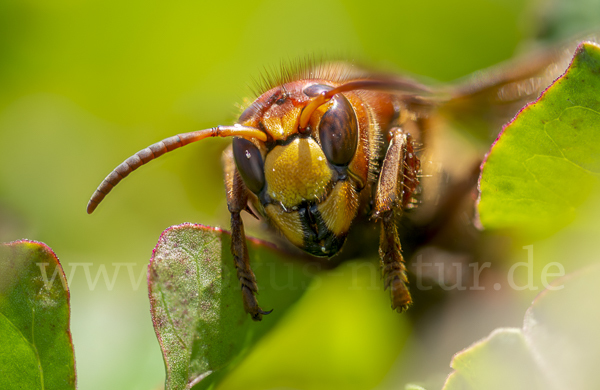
pixel 310 154
pixel 320 167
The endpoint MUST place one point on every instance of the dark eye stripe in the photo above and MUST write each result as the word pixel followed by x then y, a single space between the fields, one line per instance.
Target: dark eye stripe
pixel 249 163
pixel 338 131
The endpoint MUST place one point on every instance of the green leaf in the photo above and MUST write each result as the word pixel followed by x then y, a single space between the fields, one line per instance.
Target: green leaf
pixel 561 328
pixel 196 302
pixel 456 382
pixel 412 386
pixel 500 361
pixel 557 348
pixel 546 162
pixel 36 351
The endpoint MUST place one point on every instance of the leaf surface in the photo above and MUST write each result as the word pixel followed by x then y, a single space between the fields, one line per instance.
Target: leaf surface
pixel 546 162
pixel 196 302
pixel 557 348
pixel 36 351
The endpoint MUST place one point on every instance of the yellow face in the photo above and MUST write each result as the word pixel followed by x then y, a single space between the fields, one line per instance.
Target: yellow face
pixel 306 183
pixel 308 205
pixel 297 172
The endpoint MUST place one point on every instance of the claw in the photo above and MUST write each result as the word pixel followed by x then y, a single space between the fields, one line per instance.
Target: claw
pixel 401 309
pixel 251 304
pixel 249 211
pixel 258 315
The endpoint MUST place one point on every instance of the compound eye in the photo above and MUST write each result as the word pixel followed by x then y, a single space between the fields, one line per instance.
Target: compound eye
pixel 249 163
pixel 316 89
pixel 338 131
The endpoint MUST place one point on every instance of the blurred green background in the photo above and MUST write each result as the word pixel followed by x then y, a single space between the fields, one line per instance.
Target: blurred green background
pixel 85 84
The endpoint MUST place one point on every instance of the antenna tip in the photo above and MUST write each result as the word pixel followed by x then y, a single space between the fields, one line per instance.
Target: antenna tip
pixel 91 206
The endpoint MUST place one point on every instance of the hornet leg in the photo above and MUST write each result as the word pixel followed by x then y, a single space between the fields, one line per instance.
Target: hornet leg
pixel 397 184
pixel 237 201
